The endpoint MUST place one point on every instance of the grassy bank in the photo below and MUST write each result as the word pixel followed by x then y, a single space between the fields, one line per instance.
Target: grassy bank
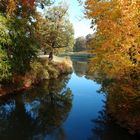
pixel 41 69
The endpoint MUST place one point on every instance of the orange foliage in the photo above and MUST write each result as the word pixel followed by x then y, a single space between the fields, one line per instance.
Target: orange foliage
pixel 28 2
pixel 118 24
pixel 11 7
pixel 117 49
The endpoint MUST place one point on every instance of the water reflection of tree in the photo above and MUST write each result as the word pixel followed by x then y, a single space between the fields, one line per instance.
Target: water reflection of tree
pixel 38 112
pixel 106 129
pixel 123 100
pixel 80 67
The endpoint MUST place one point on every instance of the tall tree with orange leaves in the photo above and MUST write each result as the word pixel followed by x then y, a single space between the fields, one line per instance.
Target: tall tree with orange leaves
pixel 116 65
pixel 117 41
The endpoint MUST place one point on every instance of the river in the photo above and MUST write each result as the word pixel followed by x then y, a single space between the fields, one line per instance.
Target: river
pixel 68 108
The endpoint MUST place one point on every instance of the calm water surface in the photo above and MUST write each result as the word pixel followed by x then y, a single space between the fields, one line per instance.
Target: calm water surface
pixel 69 108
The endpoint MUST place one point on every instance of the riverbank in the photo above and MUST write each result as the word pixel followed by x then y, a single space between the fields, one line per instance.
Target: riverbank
pixel 42 69
pixel 82 54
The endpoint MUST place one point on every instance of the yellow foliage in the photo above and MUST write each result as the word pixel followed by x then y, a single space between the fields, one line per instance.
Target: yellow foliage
pixel 117 57
pixel 117 41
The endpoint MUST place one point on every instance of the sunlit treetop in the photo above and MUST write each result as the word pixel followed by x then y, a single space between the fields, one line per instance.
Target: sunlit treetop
pixel 117 41
pixel 10 6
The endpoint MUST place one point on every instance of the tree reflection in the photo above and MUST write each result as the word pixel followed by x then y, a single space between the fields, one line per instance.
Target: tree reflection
pixel 123 96
pixel 80 67
pixel 106 129
pixel 38 113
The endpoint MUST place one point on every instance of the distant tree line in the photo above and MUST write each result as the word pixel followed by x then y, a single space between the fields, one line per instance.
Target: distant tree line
pixel 81 43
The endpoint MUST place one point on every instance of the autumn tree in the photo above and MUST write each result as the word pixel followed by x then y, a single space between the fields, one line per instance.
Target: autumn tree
pixel 117 60
pixel 80 44
pixel 117 41
pixel 56 31
pixel 69 36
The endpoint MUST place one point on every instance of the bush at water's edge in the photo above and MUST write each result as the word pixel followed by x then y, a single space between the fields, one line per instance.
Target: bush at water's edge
pixel 40 70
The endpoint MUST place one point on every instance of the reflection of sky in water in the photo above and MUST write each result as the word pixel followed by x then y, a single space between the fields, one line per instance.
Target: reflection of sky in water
pixel 86 105
pixel 7 109
pixel 32 109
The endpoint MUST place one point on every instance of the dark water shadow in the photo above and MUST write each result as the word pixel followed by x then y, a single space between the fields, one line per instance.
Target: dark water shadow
pixel 38 113
pixel 104 128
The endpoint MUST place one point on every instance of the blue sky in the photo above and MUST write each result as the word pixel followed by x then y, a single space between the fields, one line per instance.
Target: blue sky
pixel 76 13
